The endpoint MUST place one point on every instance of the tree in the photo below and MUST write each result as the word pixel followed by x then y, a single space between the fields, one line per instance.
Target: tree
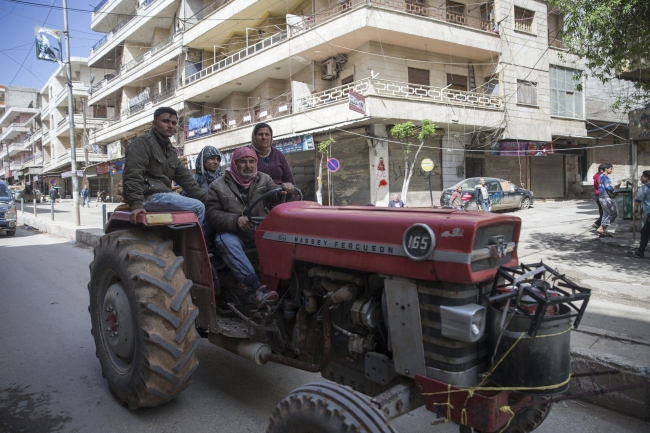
pixel 404 132
pixel 323 148
pixel 612 36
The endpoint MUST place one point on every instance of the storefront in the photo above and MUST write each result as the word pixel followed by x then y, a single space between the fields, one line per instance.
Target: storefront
pixel 104 179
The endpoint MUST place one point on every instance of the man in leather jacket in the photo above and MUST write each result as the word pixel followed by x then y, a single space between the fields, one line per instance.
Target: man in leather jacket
pixel 228 196
pixel 151 166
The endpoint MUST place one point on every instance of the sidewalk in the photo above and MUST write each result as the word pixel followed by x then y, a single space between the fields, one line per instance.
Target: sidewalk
pixel 615 331
pixel 63 225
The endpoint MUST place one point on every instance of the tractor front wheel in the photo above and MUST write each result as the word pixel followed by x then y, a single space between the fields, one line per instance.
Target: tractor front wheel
pixel 142 318
pixel 324 407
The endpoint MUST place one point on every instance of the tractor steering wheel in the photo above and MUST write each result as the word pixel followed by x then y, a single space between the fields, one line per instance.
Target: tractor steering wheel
pixel 257 220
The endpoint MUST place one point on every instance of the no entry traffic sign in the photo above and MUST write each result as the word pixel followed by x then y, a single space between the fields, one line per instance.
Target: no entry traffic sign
pixel 333 164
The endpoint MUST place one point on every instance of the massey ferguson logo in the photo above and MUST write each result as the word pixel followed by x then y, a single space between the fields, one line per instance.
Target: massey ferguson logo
pixel 497 246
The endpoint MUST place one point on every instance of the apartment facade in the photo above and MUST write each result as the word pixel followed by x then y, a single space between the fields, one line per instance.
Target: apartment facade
pixel 19 110
pixel 487 75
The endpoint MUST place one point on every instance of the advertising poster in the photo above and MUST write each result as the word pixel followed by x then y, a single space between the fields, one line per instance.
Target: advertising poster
pixel 116 167
pixel 521 148
pixel 298 143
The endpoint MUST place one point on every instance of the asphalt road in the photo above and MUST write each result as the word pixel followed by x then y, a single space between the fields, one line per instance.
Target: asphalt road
pixel 51 380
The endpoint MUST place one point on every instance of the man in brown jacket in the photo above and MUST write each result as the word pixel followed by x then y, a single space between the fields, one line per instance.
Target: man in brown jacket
pixel 227 199
pixel 151 166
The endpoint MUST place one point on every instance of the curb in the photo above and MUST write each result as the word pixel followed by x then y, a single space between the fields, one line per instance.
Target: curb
pixel 87 235
pixel 596 350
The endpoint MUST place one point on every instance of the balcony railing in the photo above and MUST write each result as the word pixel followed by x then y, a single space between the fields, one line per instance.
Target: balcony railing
pixel 366 87
pixel 239 56
pixel 99 5
pixel 146 3
pixel 116 29
pixel 152 51
pixel 213 6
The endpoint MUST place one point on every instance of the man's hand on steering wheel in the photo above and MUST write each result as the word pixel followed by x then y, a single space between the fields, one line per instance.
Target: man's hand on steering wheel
pixel 287 188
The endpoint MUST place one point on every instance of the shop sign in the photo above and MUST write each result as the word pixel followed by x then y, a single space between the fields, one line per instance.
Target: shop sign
pixel 298 143
pixel 102 168
pixel 357 102
pixel 91 171
pixel 114 150
pixel 116 167
pixel 521 148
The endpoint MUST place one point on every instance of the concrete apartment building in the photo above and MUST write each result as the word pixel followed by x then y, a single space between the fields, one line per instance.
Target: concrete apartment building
pixel 19 107
pixel 488 75
pixel 36 130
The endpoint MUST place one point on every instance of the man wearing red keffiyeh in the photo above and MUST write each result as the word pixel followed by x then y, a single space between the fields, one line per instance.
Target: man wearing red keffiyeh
pixel 227 199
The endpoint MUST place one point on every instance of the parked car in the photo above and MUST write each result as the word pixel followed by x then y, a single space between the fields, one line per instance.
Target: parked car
pixel 503 193
pixel 19 192
pixel 8 215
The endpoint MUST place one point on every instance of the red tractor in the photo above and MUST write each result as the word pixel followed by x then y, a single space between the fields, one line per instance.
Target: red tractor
pixel 405 307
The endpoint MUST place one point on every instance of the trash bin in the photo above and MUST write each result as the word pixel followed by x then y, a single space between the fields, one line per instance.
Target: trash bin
pixel 625 203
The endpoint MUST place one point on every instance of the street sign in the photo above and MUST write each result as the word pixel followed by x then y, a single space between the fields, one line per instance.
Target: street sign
pixel 333 164
pixel 427 164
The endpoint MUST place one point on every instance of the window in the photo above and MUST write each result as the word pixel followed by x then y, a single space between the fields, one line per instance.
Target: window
pixel 566 101
pixel 487 12
pixel 455 8
pixel 418 76
pixel 526 92
pixel 493 187
pixel 347 80
pixel 457 82
pixel 524 20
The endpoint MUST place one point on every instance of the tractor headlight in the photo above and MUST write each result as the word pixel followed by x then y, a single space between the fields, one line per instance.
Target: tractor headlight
pixel 11 213
pixel 463 322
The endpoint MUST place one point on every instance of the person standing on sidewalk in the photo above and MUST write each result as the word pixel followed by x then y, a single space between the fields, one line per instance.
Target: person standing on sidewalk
pixel 643 198
pixel 596 179
pixel 483 201
pixel 605 195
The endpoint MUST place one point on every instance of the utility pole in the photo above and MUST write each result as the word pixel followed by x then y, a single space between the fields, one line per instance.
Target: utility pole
pixel 83 112
pixel 73 152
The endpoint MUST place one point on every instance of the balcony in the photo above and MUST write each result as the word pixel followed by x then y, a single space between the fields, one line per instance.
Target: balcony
pixel 350 23
pixel 136 27
pixel 14 166
pixel 61 161
pixel 107 13
pixel 15 148
pixel 14 130
pixel 393 90
pixel 137 66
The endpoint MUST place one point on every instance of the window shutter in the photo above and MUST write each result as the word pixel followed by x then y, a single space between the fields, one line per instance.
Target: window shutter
pixel 418 76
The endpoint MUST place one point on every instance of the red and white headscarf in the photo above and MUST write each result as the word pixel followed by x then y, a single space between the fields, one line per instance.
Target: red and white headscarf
pixel 238 154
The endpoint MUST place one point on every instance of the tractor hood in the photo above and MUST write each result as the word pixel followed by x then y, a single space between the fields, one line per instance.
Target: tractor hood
pixel 420 243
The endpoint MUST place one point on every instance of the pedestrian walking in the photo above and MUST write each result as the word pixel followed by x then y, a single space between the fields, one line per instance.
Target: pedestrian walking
pixel 54 194
pixel 456 202
pixel 643 199
pixel 596 179
pixel 396 202
pixel 605 195
pixel 483 201
pixel 85 197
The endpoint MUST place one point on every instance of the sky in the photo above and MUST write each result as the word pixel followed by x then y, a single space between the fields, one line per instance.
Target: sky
pixel 17 21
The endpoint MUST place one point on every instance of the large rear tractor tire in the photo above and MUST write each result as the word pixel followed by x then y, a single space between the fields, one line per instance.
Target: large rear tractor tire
pixel 142 318
pixel 323 407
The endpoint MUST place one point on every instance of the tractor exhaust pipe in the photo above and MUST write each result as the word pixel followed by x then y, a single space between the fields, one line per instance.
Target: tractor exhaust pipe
pixel 253 351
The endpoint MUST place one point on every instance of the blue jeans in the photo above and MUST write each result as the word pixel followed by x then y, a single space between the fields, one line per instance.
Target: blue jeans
pixel 170 201
pixel 231 249
pixel 486 206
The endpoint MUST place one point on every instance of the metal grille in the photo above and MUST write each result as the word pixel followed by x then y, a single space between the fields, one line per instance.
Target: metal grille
pixel 440 352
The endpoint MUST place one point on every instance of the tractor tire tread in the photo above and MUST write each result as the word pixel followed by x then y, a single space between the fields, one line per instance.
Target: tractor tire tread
pixel 165 356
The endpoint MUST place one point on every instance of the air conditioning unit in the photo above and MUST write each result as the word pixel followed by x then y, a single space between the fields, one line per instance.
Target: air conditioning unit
pixel 341 59
pixel 330 69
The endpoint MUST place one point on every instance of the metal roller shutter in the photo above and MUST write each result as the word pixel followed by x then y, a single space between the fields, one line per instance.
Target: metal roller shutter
pixel 547 176
pixel 511 168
